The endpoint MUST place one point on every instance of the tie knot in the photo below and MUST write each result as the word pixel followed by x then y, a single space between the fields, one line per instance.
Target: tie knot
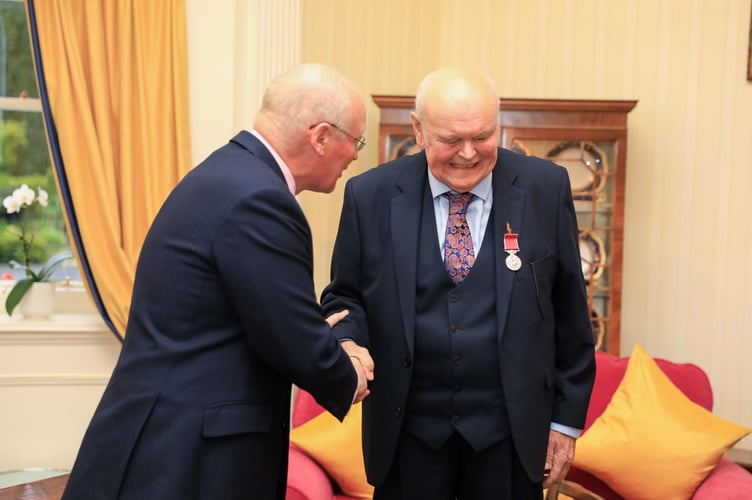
pixel 458 201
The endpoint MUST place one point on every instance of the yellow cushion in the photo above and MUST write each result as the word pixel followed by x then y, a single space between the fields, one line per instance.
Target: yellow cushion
pixel 337 448
pixel 652 441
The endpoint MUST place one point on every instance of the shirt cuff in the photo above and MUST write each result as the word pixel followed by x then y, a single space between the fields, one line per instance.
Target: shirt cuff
pixel 572 432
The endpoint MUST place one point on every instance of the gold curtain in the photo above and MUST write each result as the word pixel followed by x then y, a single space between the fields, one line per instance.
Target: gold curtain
pixel 116 76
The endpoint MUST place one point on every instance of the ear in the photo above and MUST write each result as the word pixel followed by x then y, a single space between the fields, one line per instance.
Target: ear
pixel 320 135
pixel 417 129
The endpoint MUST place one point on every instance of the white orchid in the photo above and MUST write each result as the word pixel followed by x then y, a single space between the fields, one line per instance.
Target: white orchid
pixel 11 204
pixel 42 197
pixel 23 197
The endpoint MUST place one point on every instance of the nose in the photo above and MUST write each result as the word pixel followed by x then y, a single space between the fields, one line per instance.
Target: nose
pixel 467 150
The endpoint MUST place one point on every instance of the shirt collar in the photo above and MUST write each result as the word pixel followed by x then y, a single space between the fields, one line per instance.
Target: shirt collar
pixel 289 179
pixel 481 190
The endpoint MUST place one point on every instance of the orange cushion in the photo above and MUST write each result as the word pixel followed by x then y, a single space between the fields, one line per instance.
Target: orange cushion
pixel 337 448
pixel 652 441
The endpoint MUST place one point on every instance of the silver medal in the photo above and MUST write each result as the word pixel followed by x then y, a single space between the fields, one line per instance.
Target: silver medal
pixel 513 262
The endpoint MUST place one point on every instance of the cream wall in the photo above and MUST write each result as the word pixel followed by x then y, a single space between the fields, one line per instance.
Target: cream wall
pixel 688 230
pixel 235 48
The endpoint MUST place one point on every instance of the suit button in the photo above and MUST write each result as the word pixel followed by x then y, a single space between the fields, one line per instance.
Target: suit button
pixel 453 298
pixel 457 390
pixel 457 360
pixel 397 412
pixel 407 362
pixel 456 420
pixel 454 328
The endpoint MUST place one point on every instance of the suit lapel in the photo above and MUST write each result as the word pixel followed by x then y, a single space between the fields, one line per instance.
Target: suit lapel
pixel 508 205
pixel 405 229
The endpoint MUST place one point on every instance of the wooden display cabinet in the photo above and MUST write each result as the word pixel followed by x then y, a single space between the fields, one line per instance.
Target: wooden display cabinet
pixel 589 139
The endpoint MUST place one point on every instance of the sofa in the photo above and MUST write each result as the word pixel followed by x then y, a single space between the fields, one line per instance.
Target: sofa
pixel 308 480
pixel 727 480
pixel 306 477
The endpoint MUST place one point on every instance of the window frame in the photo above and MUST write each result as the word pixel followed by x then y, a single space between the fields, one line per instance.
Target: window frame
pixel 72 297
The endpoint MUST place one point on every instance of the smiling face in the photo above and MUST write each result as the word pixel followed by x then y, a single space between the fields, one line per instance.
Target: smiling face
pixel 459 127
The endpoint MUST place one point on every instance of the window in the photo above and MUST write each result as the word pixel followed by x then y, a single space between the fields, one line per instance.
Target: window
pixel 24 158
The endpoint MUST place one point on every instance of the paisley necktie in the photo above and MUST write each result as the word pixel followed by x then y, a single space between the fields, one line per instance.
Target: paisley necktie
pixel 458 245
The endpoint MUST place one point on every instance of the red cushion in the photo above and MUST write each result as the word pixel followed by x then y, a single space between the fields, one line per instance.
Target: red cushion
pixel 306 480
pixel 304 408
pixel 728 481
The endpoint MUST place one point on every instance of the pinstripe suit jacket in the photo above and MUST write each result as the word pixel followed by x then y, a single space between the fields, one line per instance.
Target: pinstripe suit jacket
pixel 223 318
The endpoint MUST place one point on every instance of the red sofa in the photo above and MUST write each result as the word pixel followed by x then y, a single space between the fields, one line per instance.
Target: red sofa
pixel 306 480
pixel 728 481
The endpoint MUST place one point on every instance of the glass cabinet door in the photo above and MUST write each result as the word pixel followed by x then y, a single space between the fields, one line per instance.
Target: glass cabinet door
pixel 591 167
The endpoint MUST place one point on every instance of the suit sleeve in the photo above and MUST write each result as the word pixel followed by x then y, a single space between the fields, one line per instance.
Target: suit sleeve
pixel 264 258
pixel 575 357
pixel 344 291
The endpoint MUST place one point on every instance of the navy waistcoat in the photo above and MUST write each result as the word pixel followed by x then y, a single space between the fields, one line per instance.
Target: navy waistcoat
pixel 456 383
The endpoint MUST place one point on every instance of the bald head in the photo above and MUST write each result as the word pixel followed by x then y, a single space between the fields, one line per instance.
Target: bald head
pixel 449 90
pixel 308 94
pixel 313 117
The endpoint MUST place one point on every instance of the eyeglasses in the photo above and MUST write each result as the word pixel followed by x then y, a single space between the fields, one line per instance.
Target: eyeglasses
pixel 358 142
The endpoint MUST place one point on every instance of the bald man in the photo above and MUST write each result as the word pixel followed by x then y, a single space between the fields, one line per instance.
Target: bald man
pixel 224 314
pixel 460 268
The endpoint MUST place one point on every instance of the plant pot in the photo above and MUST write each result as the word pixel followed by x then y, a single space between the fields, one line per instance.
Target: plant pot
pixel 39 301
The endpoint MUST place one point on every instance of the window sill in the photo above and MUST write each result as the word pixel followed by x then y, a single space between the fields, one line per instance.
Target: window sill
pixel 75 312
pixel 86 324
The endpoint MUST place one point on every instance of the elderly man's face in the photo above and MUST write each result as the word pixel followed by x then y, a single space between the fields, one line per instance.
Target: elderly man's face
pixel 341 150
pixel 461 143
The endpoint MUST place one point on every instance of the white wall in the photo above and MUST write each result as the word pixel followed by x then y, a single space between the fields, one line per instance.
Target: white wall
pixel 51 379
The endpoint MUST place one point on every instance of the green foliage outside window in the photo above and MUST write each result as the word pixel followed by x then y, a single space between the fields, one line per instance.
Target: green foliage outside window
pixel 24 158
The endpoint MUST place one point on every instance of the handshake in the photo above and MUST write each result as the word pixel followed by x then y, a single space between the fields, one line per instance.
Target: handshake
pixel 363 364
pixel 360 357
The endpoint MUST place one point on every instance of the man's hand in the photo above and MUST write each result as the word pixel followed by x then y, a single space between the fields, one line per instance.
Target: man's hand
pixel 363 364
pixel 559 457
pixel 335 318
pixel 359 356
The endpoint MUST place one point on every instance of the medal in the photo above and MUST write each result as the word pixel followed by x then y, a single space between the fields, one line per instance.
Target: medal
pixel 513 262
pixel 511 246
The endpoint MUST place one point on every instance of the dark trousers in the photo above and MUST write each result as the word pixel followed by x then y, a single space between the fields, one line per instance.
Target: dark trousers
pixel 456 472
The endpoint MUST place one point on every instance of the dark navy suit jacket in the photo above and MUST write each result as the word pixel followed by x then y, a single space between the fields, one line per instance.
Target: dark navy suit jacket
pixel 223 318
pixel 545 340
